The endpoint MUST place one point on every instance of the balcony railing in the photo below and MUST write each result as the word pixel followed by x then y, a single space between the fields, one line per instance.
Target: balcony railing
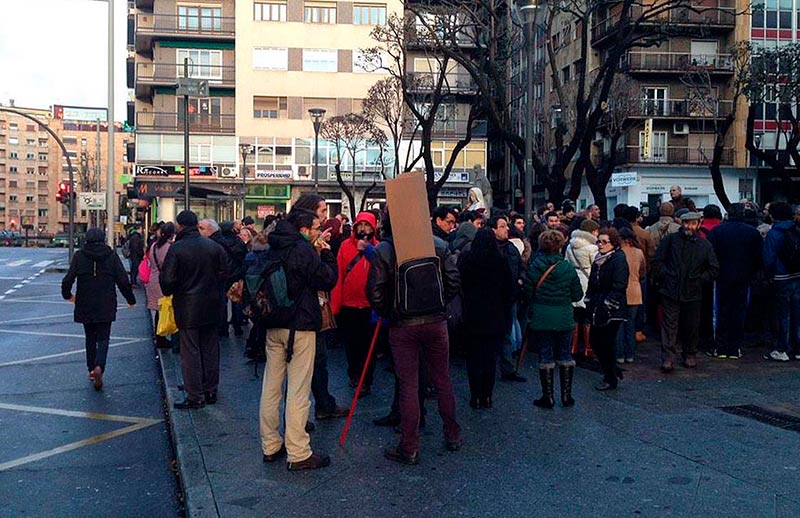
pixel 677 62
pixel 420 82
pixel 173 121
pixel 695 15
pixel 172 24
pixel 169 73
pixel 681 108
pixel 676 156
pixel 450 129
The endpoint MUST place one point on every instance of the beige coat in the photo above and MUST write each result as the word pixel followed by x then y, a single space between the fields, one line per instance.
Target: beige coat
pixel 637 268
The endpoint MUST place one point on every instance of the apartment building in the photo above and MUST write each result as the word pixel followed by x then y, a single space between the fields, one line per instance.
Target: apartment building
pixel 163 35
pixel 32 165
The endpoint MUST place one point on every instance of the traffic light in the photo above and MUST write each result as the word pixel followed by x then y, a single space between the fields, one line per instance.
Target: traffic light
pixel 64 194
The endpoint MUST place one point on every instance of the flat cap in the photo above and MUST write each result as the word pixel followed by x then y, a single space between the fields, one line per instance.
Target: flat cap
pixel 691 216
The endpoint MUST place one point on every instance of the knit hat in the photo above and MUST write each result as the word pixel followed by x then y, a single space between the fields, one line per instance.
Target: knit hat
pixel 667 209
pixel 589 225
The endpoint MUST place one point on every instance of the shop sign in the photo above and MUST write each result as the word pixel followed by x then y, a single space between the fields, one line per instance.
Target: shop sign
pixel 157 189
pixel 452 193
pixel 92 200
pixel 455 176
pixel 265 210
pixel 177 170
pixel 625 179
pixel 262 174
pixel 656 189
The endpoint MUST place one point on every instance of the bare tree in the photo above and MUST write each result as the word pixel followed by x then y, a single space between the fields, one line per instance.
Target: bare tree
pixel 384 104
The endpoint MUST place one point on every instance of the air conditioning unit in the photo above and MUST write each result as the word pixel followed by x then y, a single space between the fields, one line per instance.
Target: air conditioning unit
pixel 680 128
pixel 228 172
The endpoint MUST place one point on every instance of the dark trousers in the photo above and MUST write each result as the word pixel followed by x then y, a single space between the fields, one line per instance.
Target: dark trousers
pixel 323 400
pixel 641 313
pixel 707 318
pixel 200 361
pixel 481 354
pixel 787 295
pixel 135 269
pixel 680 324
pixel 97 337
pixel 603 340
pixel 731 316
pixel 407 343
pixel 357 329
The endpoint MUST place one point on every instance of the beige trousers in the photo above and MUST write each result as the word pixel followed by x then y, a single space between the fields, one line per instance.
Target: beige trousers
pixel 299 370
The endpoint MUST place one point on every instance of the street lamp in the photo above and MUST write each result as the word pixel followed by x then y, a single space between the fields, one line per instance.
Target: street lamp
pixel 245 149
pixel 317 114
pixel 528 11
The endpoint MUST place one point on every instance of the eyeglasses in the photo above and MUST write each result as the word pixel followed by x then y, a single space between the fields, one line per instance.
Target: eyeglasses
pixel 603 242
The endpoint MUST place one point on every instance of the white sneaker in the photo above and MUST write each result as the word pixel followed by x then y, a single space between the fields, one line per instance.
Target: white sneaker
pixel 777 356
pixel 620 361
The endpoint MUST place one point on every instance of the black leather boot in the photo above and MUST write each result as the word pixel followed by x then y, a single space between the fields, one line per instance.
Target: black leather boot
pixel 546 378
pixel 565 372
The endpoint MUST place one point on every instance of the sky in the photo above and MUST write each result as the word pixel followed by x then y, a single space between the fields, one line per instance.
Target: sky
pixel 55 52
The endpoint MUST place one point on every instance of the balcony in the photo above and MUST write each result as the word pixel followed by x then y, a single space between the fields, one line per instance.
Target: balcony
pixel 673 155
pixel 676 62
pixel 173 122
pixel 455 83
pixel 680 109
pixel 153 26
pixel 149 75
pixel 449 129
pixel 685 20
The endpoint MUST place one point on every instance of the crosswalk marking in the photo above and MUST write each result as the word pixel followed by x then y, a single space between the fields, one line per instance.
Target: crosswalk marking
pixel 42 264
pixel 19 262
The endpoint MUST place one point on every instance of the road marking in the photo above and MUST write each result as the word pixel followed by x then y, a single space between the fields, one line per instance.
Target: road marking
pixel 19 262
pixel 45 317
pixel 64 335
pixel 139 423
pixel 11 278
pixel 66 353
pixel 10 291
pixel 42 264
pixel 18 286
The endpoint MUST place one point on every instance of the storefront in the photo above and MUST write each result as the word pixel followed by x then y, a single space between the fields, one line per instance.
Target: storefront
pixel 267 199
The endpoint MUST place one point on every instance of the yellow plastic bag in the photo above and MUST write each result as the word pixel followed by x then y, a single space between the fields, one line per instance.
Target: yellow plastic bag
pixel 166 317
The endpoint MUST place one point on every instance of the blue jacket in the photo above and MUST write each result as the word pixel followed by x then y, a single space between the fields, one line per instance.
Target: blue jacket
pixel 772 244
pixel 738 248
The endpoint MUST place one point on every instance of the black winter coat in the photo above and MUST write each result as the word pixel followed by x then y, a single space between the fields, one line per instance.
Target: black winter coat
pixel 194 273
pixel 606 295
pixel 514 260
pixel 236 250
pixel 683 265
pixel 487 294
pixel 99 272
pixel 307 272
pixel 136 246
pixel 737 246
pixel 381 283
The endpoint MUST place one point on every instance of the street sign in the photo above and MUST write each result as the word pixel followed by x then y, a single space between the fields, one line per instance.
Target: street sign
pixel 192 87
pixel 265 210
pixel 92 200
pixel 625 179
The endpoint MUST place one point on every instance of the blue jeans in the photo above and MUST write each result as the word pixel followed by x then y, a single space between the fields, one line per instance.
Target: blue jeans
pixel 516 330
pixel 626 337
pixel 553 348
pixel 788 311
pixel 641 316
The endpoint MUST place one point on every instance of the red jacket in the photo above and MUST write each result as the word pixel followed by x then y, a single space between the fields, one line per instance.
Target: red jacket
pixel 351 288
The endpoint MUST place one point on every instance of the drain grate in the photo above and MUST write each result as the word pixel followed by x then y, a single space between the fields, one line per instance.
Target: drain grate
pixel 763 415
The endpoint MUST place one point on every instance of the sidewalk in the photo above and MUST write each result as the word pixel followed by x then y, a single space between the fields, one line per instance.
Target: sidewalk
pixel 658 446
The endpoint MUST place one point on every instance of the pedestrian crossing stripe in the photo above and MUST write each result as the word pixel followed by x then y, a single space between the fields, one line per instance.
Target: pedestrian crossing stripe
pixel 42 264
pixel 19 262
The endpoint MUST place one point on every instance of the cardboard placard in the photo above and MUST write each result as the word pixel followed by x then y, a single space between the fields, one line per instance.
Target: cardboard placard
pixel 411 221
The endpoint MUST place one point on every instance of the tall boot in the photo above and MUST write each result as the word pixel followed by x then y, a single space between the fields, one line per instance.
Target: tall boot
pixel 546 378
pixel 565 372
pixel 575 337
pixel 587 351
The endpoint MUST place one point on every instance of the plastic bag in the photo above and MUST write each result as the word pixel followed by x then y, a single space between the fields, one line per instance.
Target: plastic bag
pixel 166 317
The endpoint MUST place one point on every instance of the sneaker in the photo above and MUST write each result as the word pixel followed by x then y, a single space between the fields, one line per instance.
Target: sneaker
pixel 797 356
pixel 777 356
pixel 620 360
pixel 735 356
pixel 629 359
pixel 315 461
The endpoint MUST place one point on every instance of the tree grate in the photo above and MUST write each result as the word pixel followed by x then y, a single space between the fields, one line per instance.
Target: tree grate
pixel 763 415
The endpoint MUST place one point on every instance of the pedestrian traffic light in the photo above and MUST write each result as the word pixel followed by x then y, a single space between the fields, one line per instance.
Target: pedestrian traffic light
pixel 64 194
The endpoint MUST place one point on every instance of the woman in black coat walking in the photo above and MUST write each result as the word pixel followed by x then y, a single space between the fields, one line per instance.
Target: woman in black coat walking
pixel 488 289
pixel 606 303
pixel 99 272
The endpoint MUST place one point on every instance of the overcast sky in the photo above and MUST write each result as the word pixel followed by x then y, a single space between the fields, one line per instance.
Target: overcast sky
pixel 55 52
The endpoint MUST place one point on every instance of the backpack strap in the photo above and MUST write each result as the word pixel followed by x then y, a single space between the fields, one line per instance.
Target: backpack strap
pixel 544 276
pixel 352 264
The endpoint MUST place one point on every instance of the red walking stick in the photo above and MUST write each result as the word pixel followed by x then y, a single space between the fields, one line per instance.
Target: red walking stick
pixel 353 405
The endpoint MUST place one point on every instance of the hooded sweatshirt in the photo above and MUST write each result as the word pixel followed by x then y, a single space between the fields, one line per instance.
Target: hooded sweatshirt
pixel 351 287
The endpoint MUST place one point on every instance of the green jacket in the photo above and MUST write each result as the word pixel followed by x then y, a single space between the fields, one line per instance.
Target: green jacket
pixel 550 307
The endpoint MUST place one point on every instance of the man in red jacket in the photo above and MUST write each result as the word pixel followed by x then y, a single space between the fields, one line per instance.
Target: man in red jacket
pixel 349 298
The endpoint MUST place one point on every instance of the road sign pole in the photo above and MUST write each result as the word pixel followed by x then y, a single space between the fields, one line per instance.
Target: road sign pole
pixel 186 139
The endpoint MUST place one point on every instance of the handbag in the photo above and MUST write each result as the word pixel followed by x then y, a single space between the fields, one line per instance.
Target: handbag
pixel 144 271
pixel 328 320
pixel 236 292
pixel 166 317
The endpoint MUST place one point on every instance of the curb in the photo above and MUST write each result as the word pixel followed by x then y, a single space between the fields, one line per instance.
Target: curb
pixel 199 499
pixel 57 268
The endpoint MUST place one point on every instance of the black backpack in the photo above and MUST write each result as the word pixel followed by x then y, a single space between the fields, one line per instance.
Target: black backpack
pixel 789 250
pixel 420 291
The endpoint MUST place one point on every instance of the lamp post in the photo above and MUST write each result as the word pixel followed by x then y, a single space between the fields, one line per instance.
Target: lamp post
pixel 245 149
pixel 528 10
pixel 317 114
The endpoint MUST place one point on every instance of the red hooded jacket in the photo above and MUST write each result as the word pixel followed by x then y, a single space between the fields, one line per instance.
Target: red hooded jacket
pixel 351 288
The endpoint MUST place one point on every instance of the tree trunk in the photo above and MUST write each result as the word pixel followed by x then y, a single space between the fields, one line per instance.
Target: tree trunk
pixel 346 190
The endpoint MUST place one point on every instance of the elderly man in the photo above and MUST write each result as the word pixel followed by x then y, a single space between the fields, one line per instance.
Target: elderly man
pixel 684 262
pixel 194 272
pixel 679 201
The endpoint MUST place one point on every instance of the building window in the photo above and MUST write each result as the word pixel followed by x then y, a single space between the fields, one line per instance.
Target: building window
pixel 327 104
pixel 13 198
pixel 43 157
pixel 31 171
pixel 199 18
pixel 30 156
pixel 30 142
pixel 70 141
pixel 203 111
pixel 658 147
pixel 42 213
pixel 269 11
pixel 14 141
pixel 270 107
pixel 13 126
pixel 366 14
pixel 203 64
pixel 320 12
pixel 318 60
pixel 12 184
pixel 84 141
pixel 13 155
pixel 29 199
pixel 270 59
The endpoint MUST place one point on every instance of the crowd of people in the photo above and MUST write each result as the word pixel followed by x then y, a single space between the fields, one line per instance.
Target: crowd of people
pixel 563 284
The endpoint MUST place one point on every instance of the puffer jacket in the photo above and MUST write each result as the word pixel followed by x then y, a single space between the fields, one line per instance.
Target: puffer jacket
pixel 99 272
pixel 683 265
pixel 550 307
pixel 606 298
pixel 351 288
pixel 773 264
pixel 381 283
pixel 194 273
pixel 307 273
pixel 580 253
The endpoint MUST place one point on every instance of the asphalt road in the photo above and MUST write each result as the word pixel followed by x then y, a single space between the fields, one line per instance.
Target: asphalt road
pixel 66 450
